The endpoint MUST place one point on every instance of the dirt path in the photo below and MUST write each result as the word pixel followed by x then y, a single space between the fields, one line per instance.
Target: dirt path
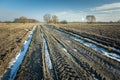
pixel 55 56
pixel 31 68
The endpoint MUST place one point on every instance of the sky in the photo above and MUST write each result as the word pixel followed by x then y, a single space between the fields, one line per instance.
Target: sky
pixel 70 10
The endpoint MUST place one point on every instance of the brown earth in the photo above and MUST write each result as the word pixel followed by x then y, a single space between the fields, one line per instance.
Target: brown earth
pixel 77 62
pixel 71 60
pixel 108 30
pixel 12 37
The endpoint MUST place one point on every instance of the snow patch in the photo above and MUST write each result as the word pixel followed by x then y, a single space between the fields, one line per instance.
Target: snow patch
pixel 94 45
pixel 99 49
pixel 47 56
pixel 15 63
pixel 75 50
pixel 67 52
pixel 68 41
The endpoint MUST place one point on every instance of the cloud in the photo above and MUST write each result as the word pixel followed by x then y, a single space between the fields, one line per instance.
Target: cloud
pixel 111 11
pixel 107 12
pixel 80 16
pixel 71 16
pixel 108 6
pixel 107 17
pixel 104 13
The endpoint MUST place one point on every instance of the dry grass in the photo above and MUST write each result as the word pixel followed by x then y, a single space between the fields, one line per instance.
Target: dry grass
pixel 12 36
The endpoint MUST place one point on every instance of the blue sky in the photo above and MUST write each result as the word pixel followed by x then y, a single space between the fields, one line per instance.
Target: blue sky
pixel 70 10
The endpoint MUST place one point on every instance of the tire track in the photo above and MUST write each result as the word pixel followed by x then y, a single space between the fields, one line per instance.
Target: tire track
pixel 102 49
pixel 90 57
pixel 64 66
pixel 32 67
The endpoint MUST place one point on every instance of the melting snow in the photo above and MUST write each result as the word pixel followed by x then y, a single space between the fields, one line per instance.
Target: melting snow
pixel 15 63
pixel 47 56
pixel 94 46
pixel 68 41
pixel 75 50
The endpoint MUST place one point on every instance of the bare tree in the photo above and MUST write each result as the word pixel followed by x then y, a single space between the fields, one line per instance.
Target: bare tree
pixel 54 19
pixel 90 18
pixel 47 18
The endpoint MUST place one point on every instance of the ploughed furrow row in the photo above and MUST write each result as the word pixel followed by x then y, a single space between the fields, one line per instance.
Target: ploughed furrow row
pixel 91 60
pixel 65 67
pixel 108 51
pixel 48 68
pixel 100 39
pixel 80 60
pixel 101 67
pixel 106 60
pixel 90 72
pixel 84 47
pixel 32 67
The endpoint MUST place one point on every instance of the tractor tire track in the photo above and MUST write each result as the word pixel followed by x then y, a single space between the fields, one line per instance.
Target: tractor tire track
pixel 32 67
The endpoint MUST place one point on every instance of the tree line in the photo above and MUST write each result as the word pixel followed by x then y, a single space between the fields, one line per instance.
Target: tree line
pixel 22 19
pixel 25 20
pixel 48 18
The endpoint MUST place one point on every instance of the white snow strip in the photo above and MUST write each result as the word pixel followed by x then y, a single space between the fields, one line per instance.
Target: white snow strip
pixel 64 49
pixel 67 52
pixel 75 50
pixel 68 41
pixel 100 49
pixel 95 46
pixel 47 56
pixel 15 63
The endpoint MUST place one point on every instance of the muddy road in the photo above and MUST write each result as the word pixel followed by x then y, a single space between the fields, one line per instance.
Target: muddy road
pixel 56 54
pixel 32 66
